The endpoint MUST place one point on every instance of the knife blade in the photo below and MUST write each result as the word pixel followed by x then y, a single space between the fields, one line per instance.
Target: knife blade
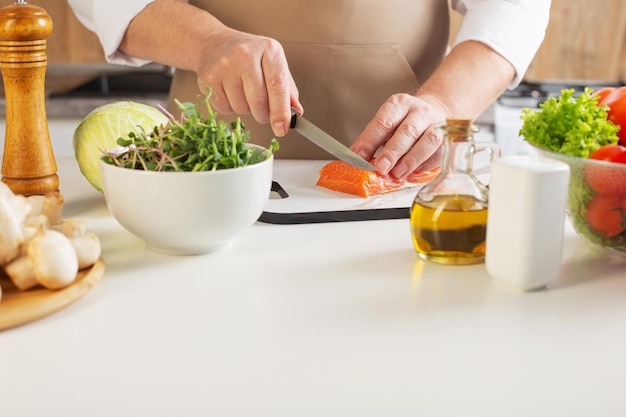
pixel 327 142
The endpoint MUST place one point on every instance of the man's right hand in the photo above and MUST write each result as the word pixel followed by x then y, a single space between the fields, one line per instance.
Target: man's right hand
pixel 248 74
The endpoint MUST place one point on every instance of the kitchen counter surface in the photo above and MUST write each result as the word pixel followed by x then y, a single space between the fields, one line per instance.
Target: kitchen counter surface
pixel 337 319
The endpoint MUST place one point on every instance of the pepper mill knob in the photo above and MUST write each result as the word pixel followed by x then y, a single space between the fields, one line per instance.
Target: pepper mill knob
pixel 28 163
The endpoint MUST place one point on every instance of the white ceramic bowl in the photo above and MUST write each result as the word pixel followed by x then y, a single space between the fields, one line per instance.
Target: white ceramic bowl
pixel 187 213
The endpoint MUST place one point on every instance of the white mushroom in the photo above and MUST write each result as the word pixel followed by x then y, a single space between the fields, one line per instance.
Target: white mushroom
pixel 21 268
pixel 13 211
pixel 71 227
pixel 35 224
pixel 50 260
pixel 86 243
pixel 37 246
pixel 88 249
pixel 49 204
pixel 22 273
pixel 54 259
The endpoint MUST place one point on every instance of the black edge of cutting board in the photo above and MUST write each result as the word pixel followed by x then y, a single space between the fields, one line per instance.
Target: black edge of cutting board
pixel 335 216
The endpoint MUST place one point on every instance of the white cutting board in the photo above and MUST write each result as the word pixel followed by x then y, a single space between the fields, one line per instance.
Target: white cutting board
pixel 298 178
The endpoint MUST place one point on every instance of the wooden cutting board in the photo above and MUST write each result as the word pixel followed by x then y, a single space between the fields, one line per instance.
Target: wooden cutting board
pixel 20 307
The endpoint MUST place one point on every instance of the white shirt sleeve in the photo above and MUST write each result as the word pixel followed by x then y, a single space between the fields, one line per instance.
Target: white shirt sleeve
pixel 108 19
pixel 512 28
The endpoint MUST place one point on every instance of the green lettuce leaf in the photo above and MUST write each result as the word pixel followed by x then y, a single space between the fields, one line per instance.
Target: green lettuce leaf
pixel 569 125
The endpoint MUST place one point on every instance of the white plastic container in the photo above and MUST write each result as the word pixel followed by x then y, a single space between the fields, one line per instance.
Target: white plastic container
pixel 527 205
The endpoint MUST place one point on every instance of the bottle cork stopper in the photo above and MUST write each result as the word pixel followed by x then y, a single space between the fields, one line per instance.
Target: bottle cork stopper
pixel 459 121
pixel 459 128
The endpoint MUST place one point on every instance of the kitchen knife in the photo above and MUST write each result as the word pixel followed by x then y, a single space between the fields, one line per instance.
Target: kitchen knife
pixel 327 142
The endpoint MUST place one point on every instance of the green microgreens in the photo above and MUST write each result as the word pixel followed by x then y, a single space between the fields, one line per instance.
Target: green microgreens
pixel 193 143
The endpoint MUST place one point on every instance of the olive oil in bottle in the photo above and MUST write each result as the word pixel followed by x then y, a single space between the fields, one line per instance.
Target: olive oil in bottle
pixel 449 214
pixel 450 229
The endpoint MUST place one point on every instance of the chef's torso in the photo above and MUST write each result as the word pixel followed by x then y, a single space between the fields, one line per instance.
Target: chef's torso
pixel 346 56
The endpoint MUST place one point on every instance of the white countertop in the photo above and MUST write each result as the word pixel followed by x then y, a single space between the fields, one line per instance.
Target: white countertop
pixel 337 319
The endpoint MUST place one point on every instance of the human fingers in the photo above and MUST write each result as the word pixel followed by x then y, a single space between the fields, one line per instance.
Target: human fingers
pixel 393 133
pixel 408 147
pixel 244 82
pixel 423 156
pixel 378 130
pixel 280 87
pixel 217 97
pixel 401 135
pixel 231 68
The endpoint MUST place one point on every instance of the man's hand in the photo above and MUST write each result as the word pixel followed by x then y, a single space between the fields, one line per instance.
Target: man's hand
pixel 404 127
pixel 249 74
pixel 246 73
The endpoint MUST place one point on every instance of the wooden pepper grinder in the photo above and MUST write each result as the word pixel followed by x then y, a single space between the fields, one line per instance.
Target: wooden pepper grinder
pixel 28 164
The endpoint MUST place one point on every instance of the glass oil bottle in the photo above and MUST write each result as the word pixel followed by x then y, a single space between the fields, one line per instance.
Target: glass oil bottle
pixel 449 214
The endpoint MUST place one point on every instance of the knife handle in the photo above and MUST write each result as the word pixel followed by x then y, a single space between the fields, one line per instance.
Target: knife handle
pixel 294 116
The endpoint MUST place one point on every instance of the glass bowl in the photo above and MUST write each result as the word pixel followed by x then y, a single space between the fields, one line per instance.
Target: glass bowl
pixel 596 204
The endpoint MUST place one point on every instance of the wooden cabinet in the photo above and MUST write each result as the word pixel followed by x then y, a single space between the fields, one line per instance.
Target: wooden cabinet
pixel 70 42
pixel 585 41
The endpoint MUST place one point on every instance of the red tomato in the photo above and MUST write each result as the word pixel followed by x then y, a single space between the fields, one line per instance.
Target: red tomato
pixel 615 98
pixel 607 179
pixel 603 92
pixel 611 153
pixel 606 214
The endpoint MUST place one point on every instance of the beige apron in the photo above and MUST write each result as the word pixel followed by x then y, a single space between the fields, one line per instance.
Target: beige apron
pixel 346 56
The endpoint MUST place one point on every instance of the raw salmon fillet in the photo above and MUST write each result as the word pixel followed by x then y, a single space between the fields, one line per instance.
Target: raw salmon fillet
pixel 342 177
